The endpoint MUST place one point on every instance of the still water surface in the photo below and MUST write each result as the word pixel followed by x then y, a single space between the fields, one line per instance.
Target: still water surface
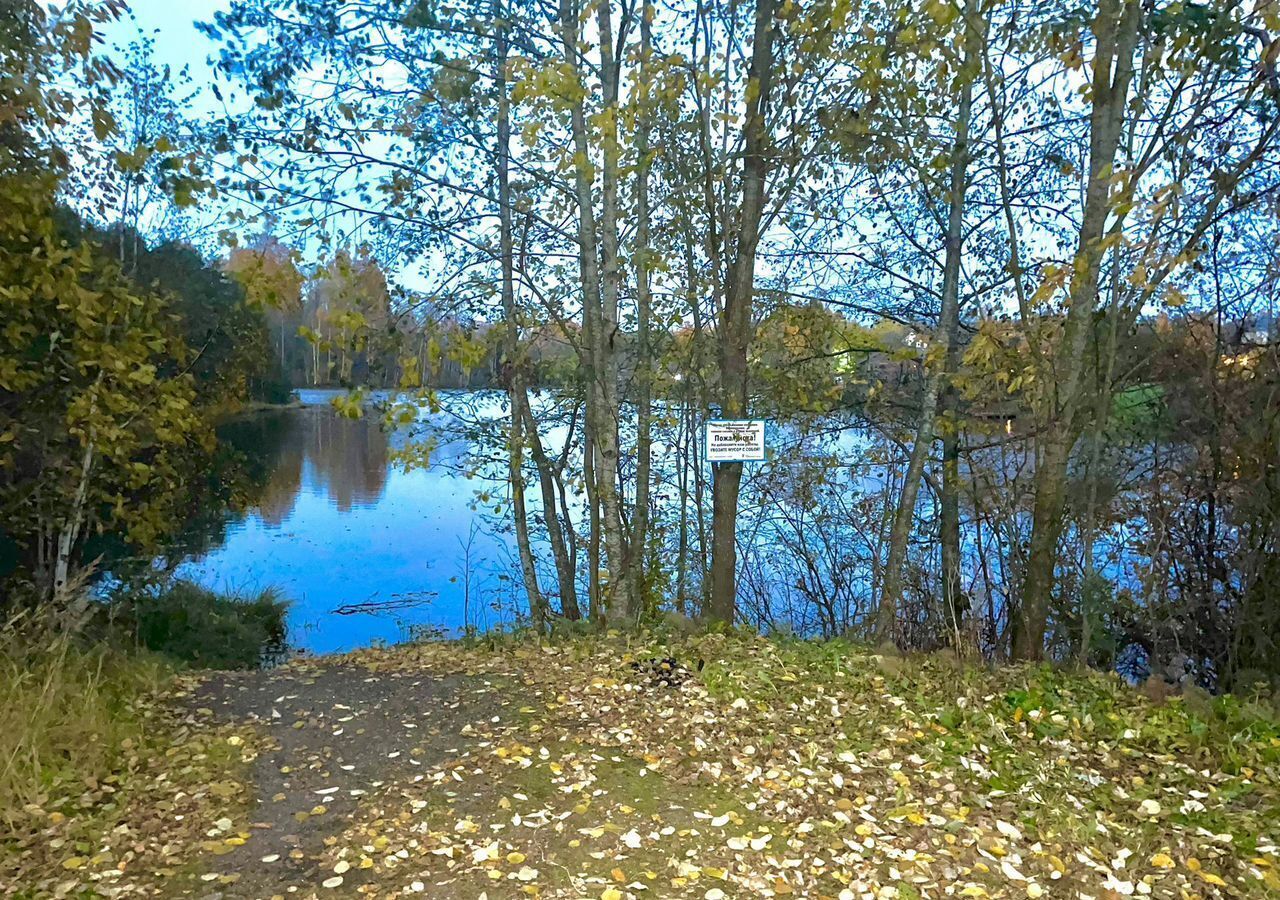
pixel 369 551
pixel 341 523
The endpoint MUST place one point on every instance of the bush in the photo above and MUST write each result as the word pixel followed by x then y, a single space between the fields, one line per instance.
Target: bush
pixel 68 710
pixel 192 624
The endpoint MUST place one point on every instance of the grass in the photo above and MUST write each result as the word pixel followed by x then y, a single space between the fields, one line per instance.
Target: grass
pixel 193 625
pixel 870 770
pixel 782 767
pixel 591 797
pixel 101 772
pixel 69 710
pixel 76 706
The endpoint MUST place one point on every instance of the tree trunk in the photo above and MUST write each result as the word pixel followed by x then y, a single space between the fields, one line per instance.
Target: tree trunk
pixel 1116 32
pixel 595 606
pixel 735 319
pixel 643 367
pixel 620 602
pixel 515 364
pixel 600 298
pixel 954 604
pixel 696 411
pixel 1105 370
pixel 560 551
pixel 70 532
pixel 942 345
pixel 682 484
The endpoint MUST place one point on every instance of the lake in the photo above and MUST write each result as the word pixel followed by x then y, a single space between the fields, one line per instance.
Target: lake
pixel 366 550
pixel 370 551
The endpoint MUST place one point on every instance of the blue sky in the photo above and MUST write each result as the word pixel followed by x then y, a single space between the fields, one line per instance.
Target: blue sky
pixel 178 43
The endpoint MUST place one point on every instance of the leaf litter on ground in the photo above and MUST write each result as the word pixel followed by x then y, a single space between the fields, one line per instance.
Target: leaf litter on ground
pixel 784 768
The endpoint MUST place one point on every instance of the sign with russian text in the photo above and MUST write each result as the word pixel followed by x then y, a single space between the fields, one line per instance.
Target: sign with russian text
pixel 735 440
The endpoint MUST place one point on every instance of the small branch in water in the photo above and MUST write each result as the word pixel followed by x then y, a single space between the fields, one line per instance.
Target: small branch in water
pixel 394 603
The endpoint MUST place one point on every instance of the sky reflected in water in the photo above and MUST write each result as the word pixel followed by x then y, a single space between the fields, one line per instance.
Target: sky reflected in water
pixel 340 524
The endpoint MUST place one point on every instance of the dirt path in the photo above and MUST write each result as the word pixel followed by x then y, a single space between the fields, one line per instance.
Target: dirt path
pixel 336 733
pixel 779 769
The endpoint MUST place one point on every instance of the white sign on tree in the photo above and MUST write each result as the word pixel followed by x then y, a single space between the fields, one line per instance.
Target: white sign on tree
pixel 735 440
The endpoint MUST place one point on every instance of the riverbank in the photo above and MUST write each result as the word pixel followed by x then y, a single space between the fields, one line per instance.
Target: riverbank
pixel 753 767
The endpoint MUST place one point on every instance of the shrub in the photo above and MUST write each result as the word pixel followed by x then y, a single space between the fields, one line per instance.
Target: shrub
pixel 192 624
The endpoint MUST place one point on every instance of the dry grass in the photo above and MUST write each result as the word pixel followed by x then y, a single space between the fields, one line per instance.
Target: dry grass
pixel 68 710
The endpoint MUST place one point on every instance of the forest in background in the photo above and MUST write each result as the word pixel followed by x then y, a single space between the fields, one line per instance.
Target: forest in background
pixel 1029 247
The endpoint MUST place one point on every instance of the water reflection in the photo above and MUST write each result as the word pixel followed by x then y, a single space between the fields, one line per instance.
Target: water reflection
pixel 338 525
pixel 344 459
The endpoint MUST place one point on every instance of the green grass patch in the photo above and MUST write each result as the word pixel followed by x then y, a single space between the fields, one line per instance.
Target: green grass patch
pixel 620 817
pixel 199 627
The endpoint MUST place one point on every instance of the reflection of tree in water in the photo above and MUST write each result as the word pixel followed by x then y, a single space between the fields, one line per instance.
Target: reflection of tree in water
pixel 272 449
pixel 345 459
pixel 348 458
pixel 281 491
pixel 219 487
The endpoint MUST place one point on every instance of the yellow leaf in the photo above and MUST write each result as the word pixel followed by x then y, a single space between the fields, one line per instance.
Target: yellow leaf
pixel 1162 861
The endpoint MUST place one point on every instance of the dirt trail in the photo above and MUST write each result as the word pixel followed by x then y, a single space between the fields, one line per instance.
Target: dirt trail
pixel 778 769
pixel 337 733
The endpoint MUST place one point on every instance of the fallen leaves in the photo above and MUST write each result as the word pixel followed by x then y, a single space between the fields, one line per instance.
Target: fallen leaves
pixel 783 769
pixel 175 793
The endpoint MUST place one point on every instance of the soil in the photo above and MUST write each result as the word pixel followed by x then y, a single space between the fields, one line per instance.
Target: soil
pixel 338 732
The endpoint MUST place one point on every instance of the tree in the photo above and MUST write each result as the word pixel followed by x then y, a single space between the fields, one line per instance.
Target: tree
pixel 735 319
pixel 1125 154
pixel 268 272
pixel 941 354
pixel 93 411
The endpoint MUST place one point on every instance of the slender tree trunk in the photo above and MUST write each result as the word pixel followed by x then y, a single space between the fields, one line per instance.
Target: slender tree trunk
pixel 1116 31
pixel 944 340
pixel 515 364
pixel 735 319
pixel 595 606
pixel 682 482
pixel 560 551
pixel 1105 369
pixel 70 532
pixel 600 297
pixel 643 367
pixel 954 604
pixel 620 601
pixel 696 411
